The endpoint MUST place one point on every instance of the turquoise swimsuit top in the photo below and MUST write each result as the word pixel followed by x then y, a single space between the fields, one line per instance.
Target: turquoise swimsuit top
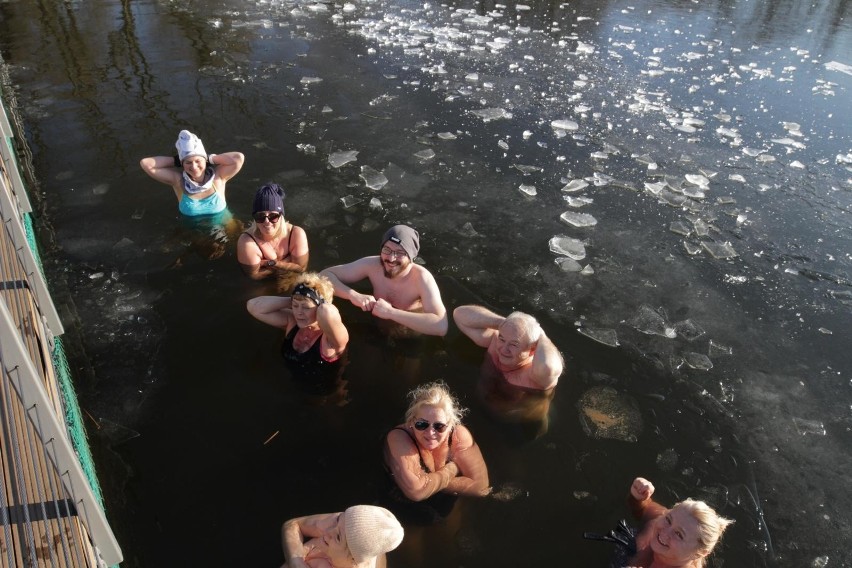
pixel 211 204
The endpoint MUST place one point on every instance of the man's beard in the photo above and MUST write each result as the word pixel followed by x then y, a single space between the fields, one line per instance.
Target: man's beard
pixel 393 272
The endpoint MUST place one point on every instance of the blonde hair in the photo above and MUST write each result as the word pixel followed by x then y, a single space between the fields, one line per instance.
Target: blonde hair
pixel 528 325
pixel 436 394
pixel 710 524
pixel 319 283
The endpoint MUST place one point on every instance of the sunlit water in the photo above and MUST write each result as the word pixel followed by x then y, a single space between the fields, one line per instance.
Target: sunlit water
pixel 666 186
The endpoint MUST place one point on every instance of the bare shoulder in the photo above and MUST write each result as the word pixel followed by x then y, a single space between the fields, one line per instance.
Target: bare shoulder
pixel 462 437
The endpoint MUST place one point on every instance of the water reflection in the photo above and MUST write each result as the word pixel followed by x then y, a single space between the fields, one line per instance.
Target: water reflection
pixel 658 91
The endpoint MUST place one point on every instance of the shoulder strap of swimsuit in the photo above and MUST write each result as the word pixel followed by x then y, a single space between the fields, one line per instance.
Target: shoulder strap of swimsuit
pixel 262 254
pixel 414 441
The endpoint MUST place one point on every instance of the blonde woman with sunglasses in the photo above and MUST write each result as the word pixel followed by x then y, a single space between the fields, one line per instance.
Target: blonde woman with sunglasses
pixel 271 246
pixel 432 452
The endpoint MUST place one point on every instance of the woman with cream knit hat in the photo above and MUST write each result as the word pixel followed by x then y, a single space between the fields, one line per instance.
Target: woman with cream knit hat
pixel 359 537
pixel 198 179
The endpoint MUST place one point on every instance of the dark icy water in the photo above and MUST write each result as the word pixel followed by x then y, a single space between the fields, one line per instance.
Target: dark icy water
pixel 694 157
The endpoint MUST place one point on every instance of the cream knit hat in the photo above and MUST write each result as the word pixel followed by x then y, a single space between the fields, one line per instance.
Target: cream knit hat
pixel 188 144
pixel 371 531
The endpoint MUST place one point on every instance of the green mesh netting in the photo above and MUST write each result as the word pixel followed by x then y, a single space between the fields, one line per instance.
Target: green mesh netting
pixel 73 416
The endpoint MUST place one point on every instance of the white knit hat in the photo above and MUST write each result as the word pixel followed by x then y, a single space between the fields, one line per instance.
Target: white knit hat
pixel 188 144
pixel 371 531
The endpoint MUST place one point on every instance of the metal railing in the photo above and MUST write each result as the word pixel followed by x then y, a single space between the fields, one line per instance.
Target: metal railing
pixel 49 514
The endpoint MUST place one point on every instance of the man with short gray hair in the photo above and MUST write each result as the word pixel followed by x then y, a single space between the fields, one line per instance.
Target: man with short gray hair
pixel 517 345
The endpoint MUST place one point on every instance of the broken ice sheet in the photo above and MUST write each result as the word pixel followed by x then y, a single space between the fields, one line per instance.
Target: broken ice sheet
pixel 689 330
pixel 310 80
pixel 649 321
pixel 567 246
pixel 568 264
pixel 577 201
pixel 528 190
pixel 564 124
pixel 575 185
pixel 372 178
pixel 447 136
pixel 680 228
pixel 578 219
pixel 718 350
pixel 424 155
pixel 805 427
pixel 719 250
pixel 698 361
pixel 605 336
pixel 350 200
pixel 489 114
pixel 342 157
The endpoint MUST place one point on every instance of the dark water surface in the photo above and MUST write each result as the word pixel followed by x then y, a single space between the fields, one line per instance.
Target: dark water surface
pixel 185 390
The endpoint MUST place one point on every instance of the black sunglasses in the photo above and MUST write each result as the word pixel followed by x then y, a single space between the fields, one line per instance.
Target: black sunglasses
pixel 261 217
pixel 424 425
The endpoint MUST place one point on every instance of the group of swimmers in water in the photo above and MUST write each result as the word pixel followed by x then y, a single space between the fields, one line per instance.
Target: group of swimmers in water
pixel 431 457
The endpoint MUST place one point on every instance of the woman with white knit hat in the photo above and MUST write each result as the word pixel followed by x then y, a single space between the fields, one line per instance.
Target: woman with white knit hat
pixel 359 537
pixel 198 179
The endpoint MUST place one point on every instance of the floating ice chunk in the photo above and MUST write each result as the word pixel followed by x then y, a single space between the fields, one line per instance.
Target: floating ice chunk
pixel 527 134
pixel 527 170
pixel 737 177
pixel 752 152
pixel 568 264
pixel 310 80
pixel 528 189
pixel 797 165
pixel 691 248
pixel 841 159
pixel 698 361
pixel 694 192
pixel 689 330
pixel 605 336
pixel 585 48
pixel 718 350
pixel 472 77
pixel 575 185
pixel 577 201
pixel 349 7
pixel 578 219
pixel 489 114
pixel 467 230
pixel 698 179
pixel 719 250
pixel 587 270
pixel 447 136
pixel 606 413
pixel 572 248
pixel 373 179
pixel 836 66
pixel 599 155
pixel 649 321
pixel 309 149
pixel 728 132
pixel 805 427
pixel 375 204
pixel 342 157
pixel 680 228
pixel 327 109
pixel 825 331
pixel 350 201
pixel 425 155
pixel 655 187
pixel 564 124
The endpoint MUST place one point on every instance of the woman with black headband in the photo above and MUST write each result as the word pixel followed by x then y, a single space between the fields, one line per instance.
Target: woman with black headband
pixel 271 246
pixel 315 337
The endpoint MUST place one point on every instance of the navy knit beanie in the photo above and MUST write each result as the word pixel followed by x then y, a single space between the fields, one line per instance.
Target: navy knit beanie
pixel 270 197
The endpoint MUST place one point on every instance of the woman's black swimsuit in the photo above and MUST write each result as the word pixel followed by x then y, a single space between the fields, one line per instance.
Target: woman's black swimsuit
pixel 263 254
pixel 310 368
